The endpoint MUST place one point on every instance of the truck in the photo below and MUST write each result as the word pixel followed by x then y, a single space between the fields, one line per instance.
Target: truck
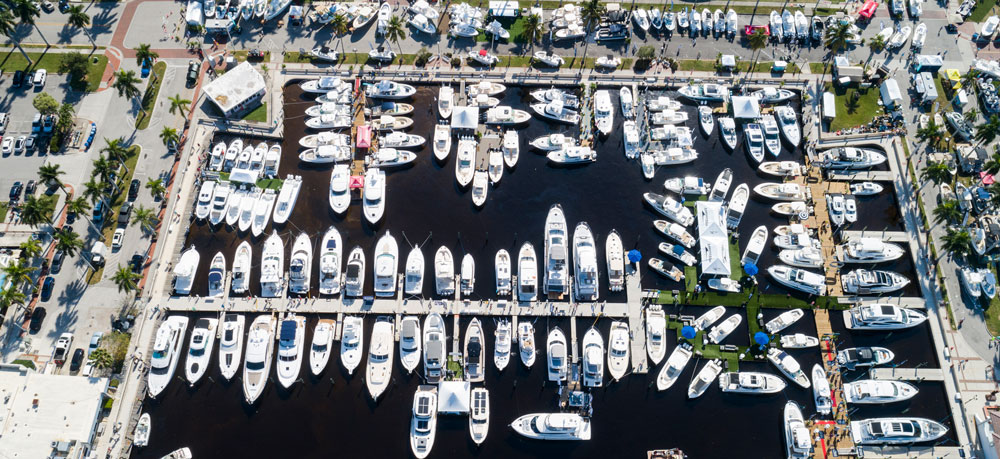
pixel 62 348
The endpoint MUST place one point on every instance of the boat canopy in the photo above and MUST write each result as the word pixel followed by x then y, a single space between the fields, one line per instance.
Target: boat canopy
pixel 454 397
pixel 713 239
pixel 287 330
pixel 746 107
pixel 364 136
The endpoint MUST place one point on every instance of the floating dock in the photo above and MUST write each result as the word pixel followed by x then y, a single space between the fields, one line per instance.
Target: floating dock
pixel 907 374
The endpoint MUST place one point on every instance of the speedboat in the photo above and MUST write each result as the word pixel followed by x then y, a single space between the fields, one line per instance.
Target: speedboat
pixel 720 332
pixel 798 279
pixel 235 206
pixel 217 276
pixel 373 204
pixel 870 250
pixel 754 141
pixel 409 343
pixel 552 142
pixel 490 88
pixel 724 284
pixel 604 111
pixel 865 282
pixel 464 167
pixel 776 25
pixel 789 22
pixel 364 15
pixel 669 21
pixel 352 343
pixel 502 266
pixel 511 147
pixel 396 139
pixel 618 349
pixel 166 352
pixel 467 275
pixel 204 203
pixel 526 343
pixel 877 392
pixel 771 131
pixel 484 57
pixel 262 210
pixel 606 62
pixel 896 431
pixel 287 197
pixel 444 272
pixel 413 280
pixel 772 95
pixel 727 130
pixel 555 353
pixel 434 347
pixel 217 158
pixel 708 318
pixel 865 188
pixel 442 141
pixel 549 59
pixel 677 252
pixel 882 316
pixel 479 415
pixel 818 28
pixel 641 19
pixel 502 344
pixel 737 204
pixel 781 168
pixel 705 119
pixel 390 122
pixel 850 158
pixel 324 85
pixel 593 358
pixel 231 345
pixel 322 342
pixel 506 115
pixel 386 158
pixel 704 379
pixel 257 365
pixel 324 53
pixel 329 121
pixel 445 101
pixel 379 369
pixel 185 270
pixel 794 208
pixel 798 341
pixel 788 366
pixel 671 370
pixel 670 208
pixel 705 92
pixel 632 142
pixel 291 334
pixel 821 390
pixel 424 421
pixel 796 238
pixel 480 187
pixel 614 254
pixel 300 265
pixel 241 268
pixel 527 273
pixel 330 256
pixel 556 111
pixel 553 426
pixel 695 22
pixel 686 185
pixel 661 103
pixel 731 22
pixel 473 352
pixel 720 23
pixel 720 188
pixel 496 29
pixel 864 357
pixel 556 253
pixel 327 108
pixel 586 281
pixel 355 274
pixel 749 382
pixel 755 247
pixel 495 166
pixel 668 117
pixel 682 19
pixel 666 269
pixel 141 436
pixel 789 125
pixel 899 38
pixel 200 349
pixel 386 265
pixel 850 208
pixel 781 191
pixel 327 153
pixel 798 440
pixel 272 267
pixel 627 102
pixel 806 257
pixel 656 325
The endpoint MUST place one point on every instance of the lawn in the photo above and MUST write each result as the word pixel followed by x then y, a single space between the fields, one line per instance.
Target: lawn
pixel 817 67
pixel 111 221
pixel 264 183
pixel 983 9
pixel 945 106
pixel 704 65
pixel 257 115
pixel 242 56
pixel 149 97
pixel 852 114
pixel 4 207
pixel 14 60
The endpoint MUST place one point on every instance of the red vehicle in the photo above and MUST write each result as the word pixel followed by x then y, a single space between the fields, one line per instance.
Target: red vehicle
pixel 748 30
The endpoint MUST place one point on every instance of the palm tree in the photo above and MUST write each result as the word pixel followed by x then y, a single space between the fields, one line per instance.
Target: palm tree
pixel 836 40
pixel 969 79
pixel 758 41
pixel 971 115
pixel 169 135
pixel 876 45
pixel 126 280
pixel 78 205
pixel 34 212
pixel 144 53
pixel 987 132
pixel 10 296
pixel 127 84
pixel 93 190
pixel 948 212
pixel 67 241
pixel 31 248
pixel 101 359
pixel 178 103
pixel 957 242
pixel 145 218
pixel 340 27
pixel 532 30
pixel 992 165
pixel 26 11
pixel 116 151
pixel 395 31
pixel 103 169
pixel 50 174
pixel 591 14
pixel 931 133
pixel 156 187
pixel 17 272
pixel 7 25
pixel 79 19
pixel 937 172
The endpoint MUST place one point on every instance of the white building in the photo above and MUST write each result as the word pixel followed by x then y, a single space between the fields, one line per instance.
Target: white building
pixel 713 239
pixel 237 91
pixel 48 415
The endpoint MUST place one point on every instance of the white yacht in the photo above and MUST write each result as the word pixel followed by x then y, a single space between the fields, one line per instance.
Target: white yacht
pixel 235 206
pixel 705 119
pixel 340 195
pixel 870 250
pixel 568 99
pixel 527 273
pixel 882 316
pixel 291 335
pixel 896 431
pixel 755 247
pixel 798 341
pixel 708 318
pixel 556 355
pixel 737 205
pixel 379 369
pixel 675 232
pixel 466 156
pixel 141 436
pixel 490 88
pixel 502 344
pixel 754 141
pixel 627 102
pixel 604 111
pixel 445 101
pixel 247 207
pixel 300 265
pixel 618 349
pixel 410 343
pixel 241 268
pixel 687 185
pixel 671 370
pixel 632 142
pixel 585 263
pixel 257 365
pixel 668 117
pixel 866 188
pixel 352 343
pixel 789 125
pixel 262 211
pixel 556 253
pixel 783 321
pixel 727 130
pixel 678 253
pixel 670 208
pixel 166 352
pixel 217 276
pixel 553 426
pixel 749 382
pixel 593 358
pixel 865 282
pixel 413 280
pixel 614 255
pixel 231 345
pixel 330 256
pixel 386 265
pixel 185 270
pixel 506 115
pixel 204 203
pixel 720 188
pixel 434 347
pixel 444 272
pixel 502 268
pixel 864 357
pixel 327 153
pixel 354 281
pixel 374 195
pixel 704 379
pixel 200 349
pixel 474 352
pixel 511 148
pixel 724 284
pixel 495 166
pixel 705 92
pixel 821 390
pixel 877 392
pixel 781 168
pixel 721 331
pixel 850 158
pixel 387 89
pixel 556 111
pixel 781 191
pixel 480 187
pixel 220 201
pixel 788 366
pixel 322 344
pixel 656 327
pixel 424 421
pixel 479 414
pixel 272 271
pixel 442 141
pixel 572 155
pixel 798 440
pixel 835 205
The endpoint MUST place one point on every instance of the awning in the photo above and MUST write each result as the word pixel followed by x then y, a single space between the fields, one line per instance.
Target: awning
pixel 364 136
pixel 748 30
pixel 955 77
pixel 746 107
pixel 868 9
pixel 357 182
pixel 713 239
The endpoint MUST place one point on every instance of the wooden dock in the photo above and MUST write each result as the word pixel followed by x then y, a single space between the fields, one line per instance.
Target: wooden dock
pixel 834 431
pixel 886 236
pixel 860 176
pixel 636 324
pixel 819 219
pixel 907 374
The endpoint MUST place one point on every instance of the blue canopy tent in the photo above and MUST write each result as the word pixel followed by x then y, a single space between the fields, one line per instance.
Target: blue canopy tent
pixel 688 332
pixel 634 256
pixel 761 338
pixel 750 269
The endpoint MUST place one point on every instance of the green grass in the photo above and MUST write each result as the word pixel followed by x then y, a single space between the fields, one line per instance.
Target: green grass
pixel 25 363
pixel 703 65
pixel 455 368
pixel 709 351
pixel 264 183
pixel 242 56
pixel 4 207
pixel 734 260
pixel 14 60
pixel 862 113
pixel 257 115
pixel 149 98
pixel 111 221
pixel 945 106
pixel 982 10
pixel 49 201
pixel 817 67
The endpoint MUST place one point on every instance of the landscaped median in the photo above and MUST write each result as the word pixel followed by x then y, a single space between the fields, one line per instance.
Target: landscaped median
pixel 88 78
pixel 110 222
pixel 149 97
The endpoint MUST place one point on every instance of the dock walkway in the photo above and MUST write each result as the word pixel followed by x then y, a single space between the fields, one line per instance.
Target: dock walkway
pixel 907 374
pixel 886 236
pixel 819 217
pixel 636 324
pixel 860 176
pixel 833 437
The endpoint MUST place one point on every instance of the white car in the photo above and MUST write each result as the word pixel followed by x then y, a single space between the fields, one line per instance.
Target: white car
pixel 116 239
pixel 39 78
pixel 8 145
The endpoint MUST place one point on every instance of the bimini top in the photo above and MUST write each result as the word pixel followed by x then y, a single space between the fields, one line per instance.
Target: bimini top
pixel 287 330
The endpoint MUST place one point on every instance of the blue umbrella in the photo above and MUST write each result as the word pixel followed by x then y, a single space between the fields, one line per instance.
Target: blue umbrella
pixel 750 269
pixel 688 332
pixel 761 338
pixel 634 256
pixel 678 249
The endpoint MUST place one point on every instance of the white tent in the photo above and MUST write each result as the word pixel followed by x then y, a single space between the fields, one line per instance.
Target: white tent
pixel 746 107
pixel 453 397
pixel 713 239
pixel 891 97
pixel 504 8
pixel 829 105
pixel 465 117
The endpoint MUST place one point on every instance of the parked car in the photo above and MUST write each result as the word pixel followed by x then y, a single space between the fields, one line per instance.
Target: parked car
pixel 99 210
pixel 15 191
pixel 74 365
pixel 49 123
pixel 19 144
pixel 194 69
pixel 18 78
pixel 57 261
pixel 39 78
pixel 29 189
pixel 47 285
pixel 36 123
pixel 37 317
pixel 63 6
pixel 136 263
pixel 7 146
pixel 133 190
pixel 125 212
pixel 255 54
pixel 31 143
pixel 62 348
pixel 116 238
pixel 95 342
pixel 47 6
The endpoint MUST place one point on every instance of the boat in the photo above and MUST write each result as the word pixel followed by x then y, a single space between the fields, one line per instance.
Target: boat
pixel 262 210
pixel 396 139
pixel 618 349
pixel 614 254
pixel 755 247
pixel 231 345
pixel 798 440
pixel 556 111
pixel 527 273
pixel 704 379
pixel 864 357
pixel 877 392
pixel 776 26
pixel 204 203
pixel 549 59
pixel 648 164
pixel 502 268
pixel 257 365
pixel 896 431
pixel 641 19
pixel 325 84
pixel 325 154
pixel 771 131
pixel 789 22
pixel 434 348
pixel 666 269
pixel 467 275
pixel 141 436
pixel 593 358
pixel 442 141
pixel 773 95
pixel 217 157
pixel 329 121
pixel 706 21
pixel 496 29
pixel 794 208
pixel 322 341
pixel 669 21
pixel 444 272
pixel 552 142
pixel 220 200
pixel 988 284
pixel 323 53
pixel 232 153
pixel 379 369
pixel 705 92
pixel 798 341
pixel 604 111
pixel 821 390
pixel 899 38
pixel 291 334
pixel 480 187
pixel 200 349
pixel 413 280
pixel 272 267
pixel 235 206
pixel 708 318
pixel 556 253
pixel 798 279
pixel 670 208
pixel 724 284
pixel 327 108
pixel 166 352
pixel 607 62
pixel 626 102
pixel 445 101
pixel 732 22
pixel 185 270
pixel 386 158
pixel 720 188
pixel 720 332
pixel 506 115
pixel 866 188
pixel 850 209
pixel 355 274
pixel 682 19
pixel 511 148
pixel 806 257
pixel 389 123
pixel 466 155
pixel 668 117
pixel 850 158
pixel 490 88
pixel 737 204
pixel 720 23
pixel 781 191
pixel 241 268
pixel 484 57
pixel 424 421
pixel 870 250
pixel 788 366
pixel 555 353
pixel 705 119
pixel 727 130
pixel 754 141
pixel 677 252
pixel 695 22
pixel 495 166
pixel 796 238
pixel 502 344
pixel 552 426
pixel 964 197
pixel 818 28
pixel 882 316
pixel 671 370
pixel 789 125
pixel 340 194
pixel 586 279
pixel 781 168
pixel 386 265
pixel 217 276
pixel 479 414
pixel 751 382
pixel 474 352
pixel 364 15
pixel 373 203
pixel 686 185
pixel 865 282
pixel 300 265
pixel 526 343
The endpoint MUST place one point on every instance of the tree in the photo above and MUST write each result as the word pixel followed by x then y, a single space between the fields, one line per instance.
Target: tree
pixel 987 132
pixel 937 172
pixel 10 296
pixel 26 11
pixel 145 218
pixel 93 190
pixel 931 133
pixel 78 206
pixel 75 65
pixel 103 169
pixel 758 41
pixel 340 26
pixel 116 151
pixel 156 187
pixel 7 25
pixel 835 40
pixel 31 248
pixel 45 104
pixel 395 31
pixel 993 164
pixel 178 103
pixel 532 30
pixel 169 136
pixel 971 115
pixel 68 241
pixel 144 53
pixel 79 19
pixel 17 272
pixel 591 14
pixel 969 79
pixel 127 84
pixel 876 45
pixel 101 359
pixel 50 174
pixel 957 242
pixel 948 212
pixel 66 114
pixel 116 344
pixel 34 212
pixel 126 280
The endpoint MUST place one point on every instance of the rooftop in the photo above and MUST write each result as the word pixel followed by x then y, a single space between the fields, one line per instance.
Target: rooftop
pixel 235 87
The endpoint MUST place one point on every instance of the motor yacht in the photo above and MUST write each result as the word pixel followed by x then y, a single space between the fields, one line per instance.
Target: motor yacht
pixel 705 119
pixel 687 185
pixel 556 111
pixel 354 281
pixel 850 209
pixel 495 166
pixel 789 125
pixel 781 168
pixel 502 344
pixel 568 99
pixel 870 250
pixel 675 231
pixel 241 268
pixel 821 390
pixel 556 253
pixel 724 284
pixel 257 365
pixel 231 345
pixel 807 257
pixel 300 265
pixel 604 111
pixel 217 276
pixel 409 343
pixel 480 187
pixel 327 153
pixel 556 355
pixel 235 206
pixel 166 352
pixel 727 130
pixel 864 282
pixel 413 280
pixel 586 280
pixel 670 208
pixel 185 270
pixel 572 155
pixel 322 342
pixel 737 204
pixel 865 188
pixel 896 431
pixel 781 191
pixel 388 89
pixel 526 343
pixel 490 88
pixel 835 205
pixel 882 316
pixel 552 142
pixel 374 193
pixel 618 349
pixel 672 156
pixel 656 326
pixel 877 392
pixel 788 366
pixel 772 142
pixel 329 121
pixel 671 370
pixel 553 426
pixel 720 188
pixel 386 265
pixel 323 85
pixel 291 335
pixel 331 254
pixel 549 59
pixel 502 272
pixel 721 331
pixel 424 421
pixel 750 382
pixel 593 358
pixel 474 352
pixel 754 141
pixel 798 441
pixel 434 347
pixel 272 272
pixel 798 341
pixel 668 117
pixel 626 102
pixel 704 379
pixel 220 201
pixel 798 279
pixel 527 273
pixel 444 272
pixel 705 92
pixel 204 203
pixel 755 247
pixel 464 167
pixel 864 357
pixel 467 275
pixel 614 255
pixel 379 369
pixel 666 269
pixel 200 349
pixel 325 108
pixel 262 210
pixel 850 158
pixel 479 414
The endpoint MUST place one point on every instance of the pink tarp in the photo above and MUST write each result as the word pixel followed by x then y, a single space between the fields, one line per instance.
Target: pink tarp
pixel 357 182
pixel 868 10
pixel 748 30
pixel 987 179
pixel 364 136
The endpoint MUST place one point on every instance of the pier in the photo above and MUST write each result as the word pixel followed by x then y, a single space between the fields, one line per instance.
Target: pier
pixel 636 322
pixel 907 374
pixel 885 236
pixel 820 215
pixel 860 176
pixel 834 436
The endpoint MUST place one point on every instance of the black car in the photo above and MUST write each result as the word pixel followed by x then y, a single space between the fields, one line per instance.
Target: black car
pixel 37 317
pixel 74 365
pixel 136 263
pixel 18 78
pixel 255 54
pixel 57 261
pixel 133 190
pixel 15 191
pixel 47 286
pixel 29 189
pixel 63 6
pixel 125 212
pixel 194 69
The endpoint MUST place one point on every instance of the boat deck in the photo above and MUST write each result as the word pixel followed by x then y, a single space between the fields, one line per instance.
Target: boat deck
pixel 886 236
pixel 820 217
